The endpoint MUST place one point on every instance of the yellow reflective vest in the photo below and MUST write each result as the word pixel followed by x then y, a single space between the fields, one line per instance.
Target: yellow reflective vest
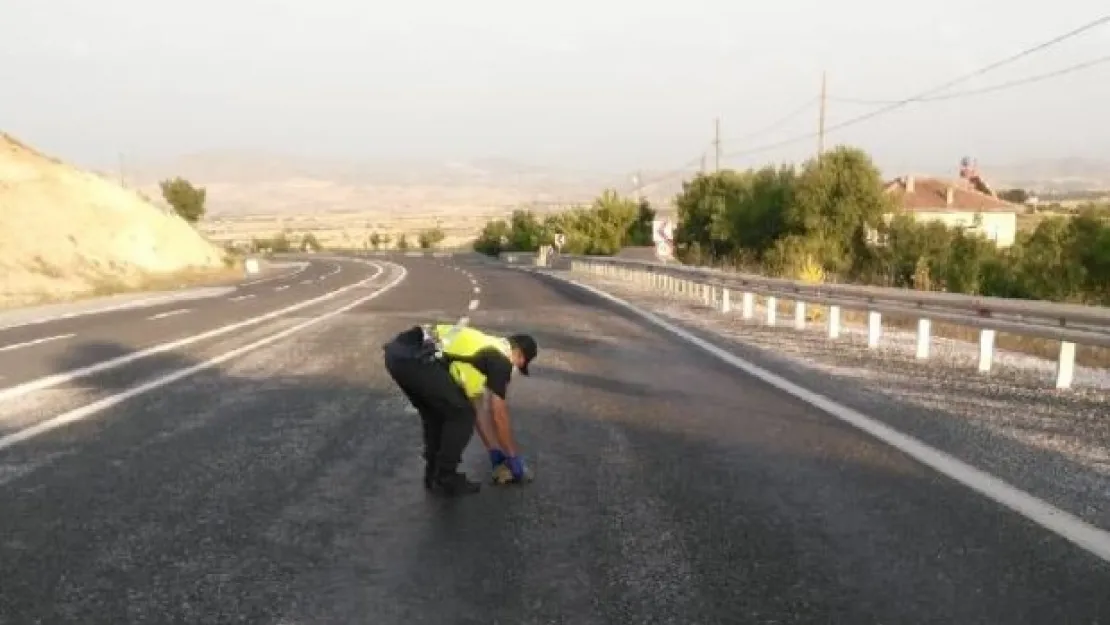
pixel 464 341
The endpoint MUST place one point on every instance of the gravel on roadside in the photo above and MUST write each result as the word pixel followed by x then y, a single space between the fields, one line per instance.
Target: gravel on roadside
pixel 1011 422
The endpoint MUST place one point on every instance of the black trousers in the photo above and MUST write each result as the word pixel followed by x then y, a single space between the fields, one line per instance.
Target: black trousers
pixel 447 416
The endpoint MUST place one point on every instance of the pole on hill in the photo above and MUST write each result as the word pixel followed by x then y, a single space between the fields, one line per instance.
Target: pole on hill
pixel 717 144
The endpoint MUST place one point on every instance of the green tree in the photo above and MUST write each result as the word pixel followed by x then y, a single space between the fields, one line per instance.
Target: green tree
pixel 836 202
pixel 310 242
pixel 403 242
pixel 430 238
pixel 375 240
pixel 187 200
pixel 493 238
pixel 526 234
pixel 639 231
pixel 1017 196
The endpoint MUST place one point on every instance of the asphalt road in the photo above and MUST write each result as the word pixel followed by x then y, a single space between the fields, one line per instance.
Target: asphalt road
pixel 28 352
pixel 284 487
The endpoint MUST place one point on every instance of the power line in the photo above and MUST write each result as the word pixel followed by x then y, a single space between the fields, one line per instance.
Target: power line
pixel 900 103
pixel 794 113
pixel 999 87
pixel 670 174
pixel 700 160
pixel 716 144
pixel 896 104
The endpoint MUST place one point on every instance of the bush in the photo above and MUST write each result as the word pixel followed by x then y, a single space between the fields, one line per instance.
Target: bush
pixel 603 228
pixel 825 219
pixel 310 242
pixel 187 200
pixel 430 238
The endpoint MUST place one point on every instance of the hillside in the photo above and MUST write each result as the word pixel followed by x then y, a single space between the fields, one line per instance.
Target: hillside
pixel 257 183
pixel 1061 174
pixel 67 233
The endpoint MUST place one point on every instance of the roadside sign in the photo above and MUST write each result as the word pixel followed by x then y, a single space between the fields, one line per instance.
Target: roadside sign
pixel 662 234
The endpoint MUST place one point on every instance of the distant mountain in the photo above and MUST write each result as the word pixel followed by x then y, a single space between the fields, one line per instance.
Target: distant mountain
pixel 257 182
pixel 254 182
pixel 1058 174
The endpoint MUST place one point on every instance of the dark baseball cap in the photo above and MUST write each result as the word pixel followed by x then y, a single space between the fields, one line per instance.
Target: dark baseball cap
pixel 527 346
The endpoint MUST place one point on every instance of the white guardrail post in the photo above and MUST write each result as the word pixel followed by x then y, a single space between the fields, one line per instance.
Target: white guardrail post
pixel 1067 323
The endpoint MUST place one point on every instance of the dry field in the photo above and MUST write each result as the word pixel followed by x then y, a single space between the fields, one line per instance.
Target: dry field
pixel 352 229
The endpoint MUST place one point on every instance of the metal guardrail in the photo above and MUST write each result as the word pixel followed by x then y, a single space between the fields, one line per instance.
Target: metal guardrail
pixel 1068 323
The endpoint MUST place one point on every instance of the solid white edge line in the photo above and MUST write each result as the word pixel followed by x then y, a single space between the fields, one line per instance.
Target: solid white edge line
pixel 473 304
pixel 67 376
pixel 88 410
pixel 145 302
pixel 1090 538
pixel 45 339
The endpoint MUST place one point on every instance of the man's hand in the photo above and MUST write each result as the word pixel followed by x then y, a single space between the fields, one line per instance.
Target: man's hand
pixel 512 471
pixel 516 467
pixel 496 457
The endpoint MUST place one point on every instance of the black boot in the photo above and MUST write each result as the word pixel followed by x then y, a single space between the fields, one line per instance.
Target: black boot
pixel 454 484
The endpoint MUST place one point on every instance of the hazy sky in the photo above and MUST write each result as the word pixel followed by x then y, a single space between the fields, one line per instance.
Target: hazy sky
pixel 612 84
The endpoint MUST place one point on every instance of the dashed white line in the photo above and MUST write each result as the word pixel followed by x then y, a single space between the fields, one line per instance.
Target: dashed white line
pixel 473 304
pixel 281 288
pixel 169 313
pixel 309 281
pixel 477 289
pixel 277 277
pixel 45 339
pixel 19 390
pixel 331 273
pixel 241 297
pixel 84 412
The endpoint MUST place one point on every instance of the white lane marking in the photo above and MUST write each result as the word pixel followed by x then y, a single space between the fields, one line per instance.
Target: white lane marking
pixel 473 304
pixel 309 281
pixel 1064 524
pixel 128 305
pixel 74 374
pixel 169 313
pixel 241 297
pixel 304 265
pixel 327 275
pixel 88 410
pixel 45 339
pixel 477 289
pixel 281 288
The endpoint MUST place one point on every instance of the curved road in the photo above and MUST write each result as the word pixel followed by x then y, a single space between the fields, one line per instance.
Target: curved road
pixel 282 484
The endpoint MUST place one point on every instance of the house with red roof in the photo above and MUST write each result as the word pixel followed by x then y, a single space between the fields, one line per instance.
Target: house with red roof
pixel 967 202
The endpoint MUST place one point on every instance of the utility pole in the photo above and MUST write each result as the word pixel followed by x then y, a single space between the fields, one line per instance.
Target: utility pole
pixel 821 120
pixel 717 144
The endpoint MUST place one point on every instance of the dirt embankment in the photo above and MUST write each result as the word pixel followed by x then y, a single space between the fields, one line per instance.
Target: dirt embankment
pixel 66 233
